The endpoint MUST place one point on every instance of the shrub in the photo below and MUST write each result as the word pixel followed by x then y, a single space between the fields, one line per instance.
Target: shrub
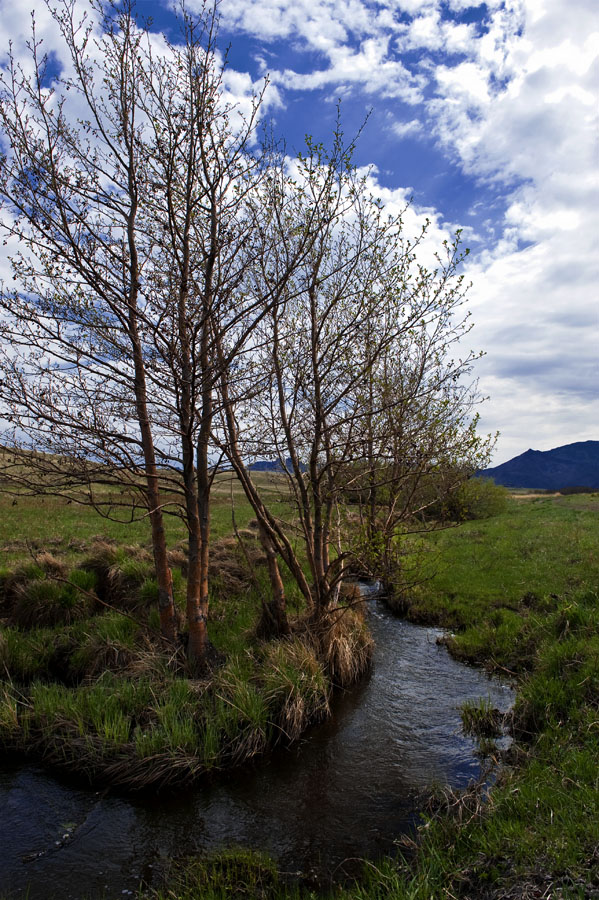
pixel 43 601
pixel 477 498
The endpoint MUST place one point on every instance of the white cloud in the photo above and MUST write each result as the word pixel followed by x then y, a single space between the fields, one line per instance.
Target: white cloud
pixel 407 129
pixel 512 100
pixel 368 67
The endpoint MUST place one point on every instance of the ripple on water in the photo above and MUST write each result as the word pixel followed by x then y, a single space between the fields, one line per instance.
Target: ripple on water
pixel 346 790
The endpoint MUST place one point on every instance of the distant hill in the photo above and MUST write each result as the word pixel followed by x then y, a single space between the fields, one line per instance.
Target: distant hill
pixel 266 465
pixel 569 466
pixel 272 465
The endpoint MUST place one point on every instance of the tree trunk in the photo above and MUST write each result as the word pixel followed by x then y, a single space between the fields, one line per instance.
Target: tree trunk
pixel 274 619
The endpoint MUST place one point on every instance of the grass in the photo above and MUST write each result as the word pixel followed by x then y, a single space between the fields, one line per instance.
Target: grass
pixel 63 526
pixel 520 593
pixel 236 873
pixel 89 687
pixel 99 697
pixel 539 547
pixel 520 590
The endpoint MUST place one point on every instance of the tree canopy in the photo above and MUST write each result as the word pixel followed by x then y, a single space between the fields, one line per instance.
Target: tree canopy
pixel 184 293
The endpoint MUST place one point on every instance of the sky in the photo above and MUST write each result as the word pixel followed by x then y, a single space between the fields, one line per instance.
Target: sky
pixel 485 115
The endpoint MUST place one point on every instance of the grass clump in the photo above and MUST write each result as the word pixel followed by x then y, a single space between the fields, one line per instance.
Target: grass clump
pixel 234 874
pixel 109 644
pixel 121 571
pixel 480 718
pixel 9 717
pixel 102 695
pixel 172 734
pixel 46 602
pixel 346 644
pixel 45 593
pixel 295 683
pixel 241 710
pixel 27 655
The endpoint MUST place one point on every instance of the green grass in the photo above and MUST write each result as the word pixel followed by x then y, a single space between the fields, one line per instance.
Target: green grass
pixel 234 874
pixel 521 593
pixel 101 695
pixel 60 525
pixel 537 548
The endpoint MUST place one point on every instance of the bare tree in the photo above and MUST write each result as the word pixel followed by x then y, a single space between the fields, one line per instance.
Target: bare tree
pixel 179 293
pixel 209 173
pixel 353 362
pixel 418 434
pixel 74 357
pixel 127 187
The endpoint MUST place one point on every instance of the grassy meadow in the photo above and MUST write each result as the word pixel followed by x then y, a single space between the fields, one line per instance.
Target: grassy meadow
pixel 87 683
pixel 68 528
pixel 517 593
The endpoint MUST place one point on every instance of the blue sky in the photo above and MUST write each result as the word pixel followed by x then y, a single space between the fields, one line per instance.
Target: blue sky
pixel 486 115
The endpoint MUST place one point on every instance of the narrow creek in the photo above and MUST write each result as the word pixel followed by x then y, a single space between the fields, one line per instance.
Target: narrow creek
pixel 345 791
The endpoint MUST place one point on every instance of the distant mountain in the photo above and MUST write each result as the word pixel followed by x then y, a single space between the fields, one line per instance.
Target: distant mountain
pixel 272 465
pixel 569 466
pixel 266 465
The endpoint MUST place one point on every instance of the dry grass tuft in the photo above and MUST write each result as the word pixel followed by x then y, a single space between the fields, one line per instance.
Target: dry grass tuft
pixel 177 559
pixel 349 592
pixel 344 643
pixel 229 562
pixel 101 653
pixel 295 683
pixel 51 564
pixel 151 662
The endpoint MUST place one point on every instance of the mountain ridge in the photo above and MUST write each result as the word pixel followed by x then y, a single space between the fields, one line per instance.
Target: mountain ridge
pixel 571 465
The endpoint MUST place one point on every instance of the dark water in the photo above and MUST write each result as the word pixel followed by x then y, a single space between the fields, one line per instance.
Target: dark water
pixel 344 792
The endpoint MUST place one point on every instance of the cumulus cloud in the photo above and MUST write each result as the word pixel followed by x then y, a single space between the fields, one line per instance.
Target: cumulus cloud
pixel 407 129
pixel 509 97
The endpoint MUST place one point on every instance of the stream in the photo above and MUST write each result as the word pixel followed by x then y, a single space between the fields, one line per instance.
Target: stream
pixel 345 791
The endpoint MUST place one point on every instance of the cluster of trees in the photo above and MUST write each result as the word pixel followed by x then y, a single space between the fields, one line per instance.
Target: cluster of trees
pixel 185 294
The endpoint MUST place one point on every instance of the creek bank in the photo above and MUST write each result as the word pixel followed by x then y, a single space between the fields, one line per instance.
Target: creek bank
pixel 342 793
pixel 157 729
pixel 539 834
pixel 92 690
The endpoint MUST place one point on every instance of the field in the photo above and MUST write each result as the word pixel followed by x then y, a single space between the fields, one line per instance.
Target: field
pixel 517 593
pixel 67 527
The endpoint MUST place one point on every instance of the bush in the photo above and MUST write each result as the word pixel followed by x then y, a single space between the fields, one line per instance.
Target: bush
pixel 42 601
pixel 477 498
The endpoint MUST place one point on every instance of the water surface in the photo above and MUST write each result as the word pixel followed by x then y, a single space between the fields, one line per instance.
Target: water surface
pixel 346 790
